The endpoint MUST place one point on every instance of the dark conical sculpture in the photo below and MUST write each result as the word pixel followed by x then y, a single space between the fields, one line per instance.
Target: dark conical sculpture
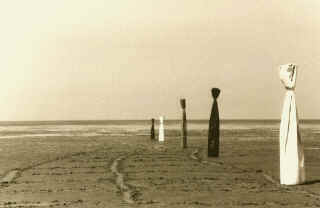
pixel 214 126
pixel 152 135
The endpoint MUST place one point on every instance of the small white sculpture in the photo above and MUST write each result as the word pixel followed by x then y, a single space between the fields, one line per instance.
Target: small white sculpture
pixel 292 169
pixel 161 130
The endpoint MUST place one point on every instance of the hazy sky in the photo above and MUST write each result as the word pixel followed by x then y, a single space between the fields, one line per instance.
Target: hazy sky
pixel 126 59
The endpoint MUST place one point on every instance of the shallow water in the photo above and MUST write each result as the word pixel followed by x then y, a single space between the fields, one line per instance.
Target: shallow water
pixel 133 128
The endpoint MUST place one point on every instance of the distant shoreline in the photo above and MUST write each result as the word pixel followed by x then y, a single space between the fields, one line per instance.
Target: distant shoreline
pixel 124 122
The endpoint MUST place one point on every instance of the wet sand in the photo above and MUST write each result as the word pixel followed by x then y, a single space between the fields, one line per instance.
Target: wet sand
pixel 135 172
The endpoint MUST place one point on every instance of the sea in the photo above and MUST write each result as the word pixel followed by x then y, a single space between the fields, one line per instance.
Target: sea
pixel 93 128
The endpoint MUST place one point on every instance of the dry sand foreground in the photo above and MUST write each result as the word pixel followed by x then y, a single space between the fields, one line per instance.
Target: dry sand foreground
pixel 134 172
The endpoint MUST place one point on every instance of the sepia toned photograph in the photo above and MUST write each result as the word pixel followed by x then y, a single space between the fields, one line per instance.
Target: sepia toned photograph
pixel 159 104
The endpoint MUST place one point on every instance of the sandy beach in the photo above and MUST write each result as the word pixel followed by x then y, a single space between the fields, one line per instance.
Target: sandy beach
pixel 107 171
pixel 84 86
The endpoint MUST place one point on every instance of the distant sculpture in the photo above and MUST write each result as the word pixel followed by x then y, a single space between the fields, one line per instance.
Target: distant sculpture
pixel 292 170
pixel 152 136
pixel 214 126
pixel 184 124
pixel 161 130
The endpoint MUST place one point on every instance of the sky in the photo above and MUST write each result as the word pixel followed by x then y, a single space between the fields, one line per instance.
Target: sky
pixel 109 59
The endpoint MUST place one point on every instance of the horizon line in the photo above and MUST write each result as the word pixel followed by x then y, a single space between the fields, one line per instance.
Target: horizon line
pixel 174 119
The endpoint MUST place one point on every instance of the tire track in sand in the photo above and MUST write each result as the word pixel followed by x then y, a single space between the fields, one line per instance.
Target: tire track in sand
pixel 12 175
pixel 195 155
pixel 127 193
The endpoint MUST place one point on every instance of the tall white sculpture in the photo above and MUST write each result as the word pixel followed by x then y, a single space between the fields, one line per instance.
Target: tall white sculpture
pixel 292 170
pixel 161 130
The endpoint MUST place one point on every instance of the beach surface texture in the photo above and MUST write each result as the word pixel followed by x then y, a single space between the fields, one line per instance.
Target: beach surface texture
pixel 132 171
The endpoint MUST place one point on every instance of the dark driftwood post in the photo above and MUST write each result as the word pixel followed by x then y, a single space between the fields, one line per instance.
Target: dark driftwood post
pixel 152 136
pixel 214 126
pixel 184 124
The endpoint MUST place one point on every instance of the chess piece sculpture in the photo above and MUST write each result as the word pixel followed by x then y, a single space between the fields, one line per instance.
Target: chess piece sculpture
pixel 214 126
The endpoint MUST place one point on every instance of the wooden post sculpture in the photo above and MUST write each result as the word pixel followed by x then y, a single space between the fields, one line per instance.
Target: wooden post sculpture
pixel 184 124
pixel 152 136
pixel 161 130
pixel 214 126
